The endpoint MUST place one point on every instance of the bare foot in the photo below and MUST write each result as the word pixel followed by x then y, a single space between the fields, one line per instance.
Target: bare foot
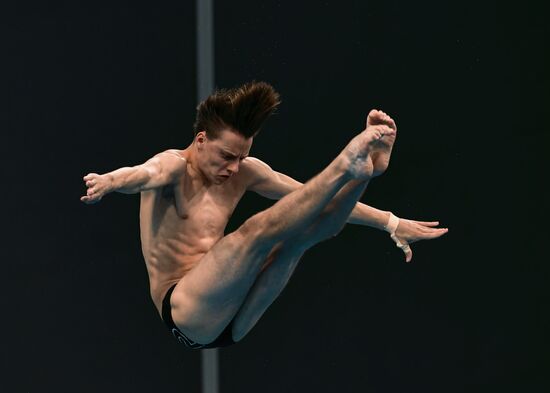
pixel 381 150
pixel 360 164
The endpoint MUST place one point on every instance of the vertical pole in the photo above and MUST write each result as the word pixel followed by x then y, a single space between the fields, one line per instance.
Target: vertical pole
pixel 205 48
pixel 205 86
pixel 210 377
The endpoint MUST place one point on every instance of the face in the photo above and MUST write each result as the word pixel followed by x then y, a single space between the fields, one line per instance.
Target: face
pixel 219 158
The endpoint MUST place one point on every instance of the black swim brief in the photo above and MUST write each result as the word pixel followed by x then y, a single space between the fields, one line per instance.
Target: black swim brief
pixel 223 340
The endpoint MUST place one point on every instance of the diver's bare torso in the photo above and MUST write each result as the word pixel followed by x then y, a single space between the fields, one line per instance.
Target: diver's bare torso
pixel 180 223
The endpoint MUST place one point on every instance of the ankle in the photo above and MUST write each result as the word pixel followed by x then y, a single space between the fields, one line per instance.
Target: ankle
pixel 343 165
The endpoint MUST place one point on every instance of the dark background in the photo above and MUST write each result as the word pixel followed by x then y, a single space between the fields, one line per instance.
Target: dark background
pixel 88 87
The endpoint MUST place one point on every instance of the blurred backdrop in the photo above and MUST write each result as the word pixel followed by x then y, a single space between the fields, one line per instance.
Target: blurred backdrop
pixel 90 87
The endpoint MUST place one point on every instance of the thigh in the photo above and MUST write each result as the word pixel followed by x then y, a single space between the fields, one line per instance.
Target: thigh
pixel 209 295
pixel 269 284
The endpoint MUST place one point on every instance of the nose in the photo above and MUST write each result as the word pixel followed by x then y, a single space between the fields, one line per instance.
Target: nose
pixel 233 167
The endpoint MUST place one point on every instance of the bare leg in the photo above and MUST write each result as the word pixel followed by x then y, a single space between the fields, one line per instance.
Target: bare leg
pixel 284 258
pixel 208 297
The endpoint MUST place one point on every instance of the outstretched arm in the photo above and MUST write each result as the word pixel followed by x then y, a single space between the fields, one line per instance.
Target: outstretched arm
pixel 162 169
pixel 274 185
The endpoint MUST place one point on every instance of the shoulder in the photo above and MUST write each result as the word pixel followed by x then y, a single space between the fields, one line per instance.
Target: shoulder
pixel 173 159
pixel 254 164
pixel 174 154
pixel 255 171
pixel 168 165
pixel 255 168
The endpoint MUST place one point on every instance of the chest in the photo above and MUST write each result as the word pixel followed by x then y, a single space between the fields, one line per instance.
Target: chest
pixel 208 207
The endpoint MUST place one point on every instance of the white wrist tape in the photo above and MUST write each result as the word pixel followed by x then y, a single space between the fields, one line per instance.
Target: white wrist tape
pixel 391 227
pixel 392 224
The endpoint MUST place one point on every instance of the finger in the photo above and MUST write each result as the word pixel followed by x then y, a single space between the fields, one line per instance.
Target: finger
pixel 404 246
pixel 428 223
pixel 435 233
pixel 87 200
pixel 408 254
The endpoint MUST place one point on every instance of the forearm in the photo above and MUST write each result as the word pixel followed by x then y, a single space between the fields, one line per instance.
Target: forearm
pixel 366 215
pixel 128 180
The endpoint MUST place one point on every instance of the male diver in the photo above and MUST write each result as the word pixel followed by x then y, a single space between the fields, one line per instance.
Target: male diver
pixel 209 288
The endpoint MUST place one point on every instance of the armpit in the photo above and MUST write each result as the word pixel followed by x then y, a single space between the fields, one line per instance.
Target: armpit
pixel 168 192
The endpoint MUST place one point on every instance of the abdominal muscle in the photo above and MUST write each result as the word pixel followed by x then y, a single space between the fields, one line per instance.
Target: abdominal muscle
pixel 173 243
pixel 167 262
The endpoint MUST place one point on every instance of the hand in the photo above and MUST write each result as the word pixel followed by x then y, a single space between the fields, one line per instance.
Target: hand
pixel 98 186
pixel 410 231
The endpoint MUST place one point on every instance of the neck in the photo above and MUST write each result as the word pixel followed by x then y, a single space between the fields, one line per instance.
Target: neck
pixel 193 169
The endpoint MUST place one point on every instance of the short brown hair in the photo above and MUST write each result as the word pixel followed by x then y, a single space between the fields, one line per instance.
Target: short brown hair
pixel 242 109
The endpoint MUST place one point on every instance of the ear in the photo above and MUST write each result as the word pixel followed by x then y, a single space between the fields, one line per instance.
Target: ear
pixel 200 138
